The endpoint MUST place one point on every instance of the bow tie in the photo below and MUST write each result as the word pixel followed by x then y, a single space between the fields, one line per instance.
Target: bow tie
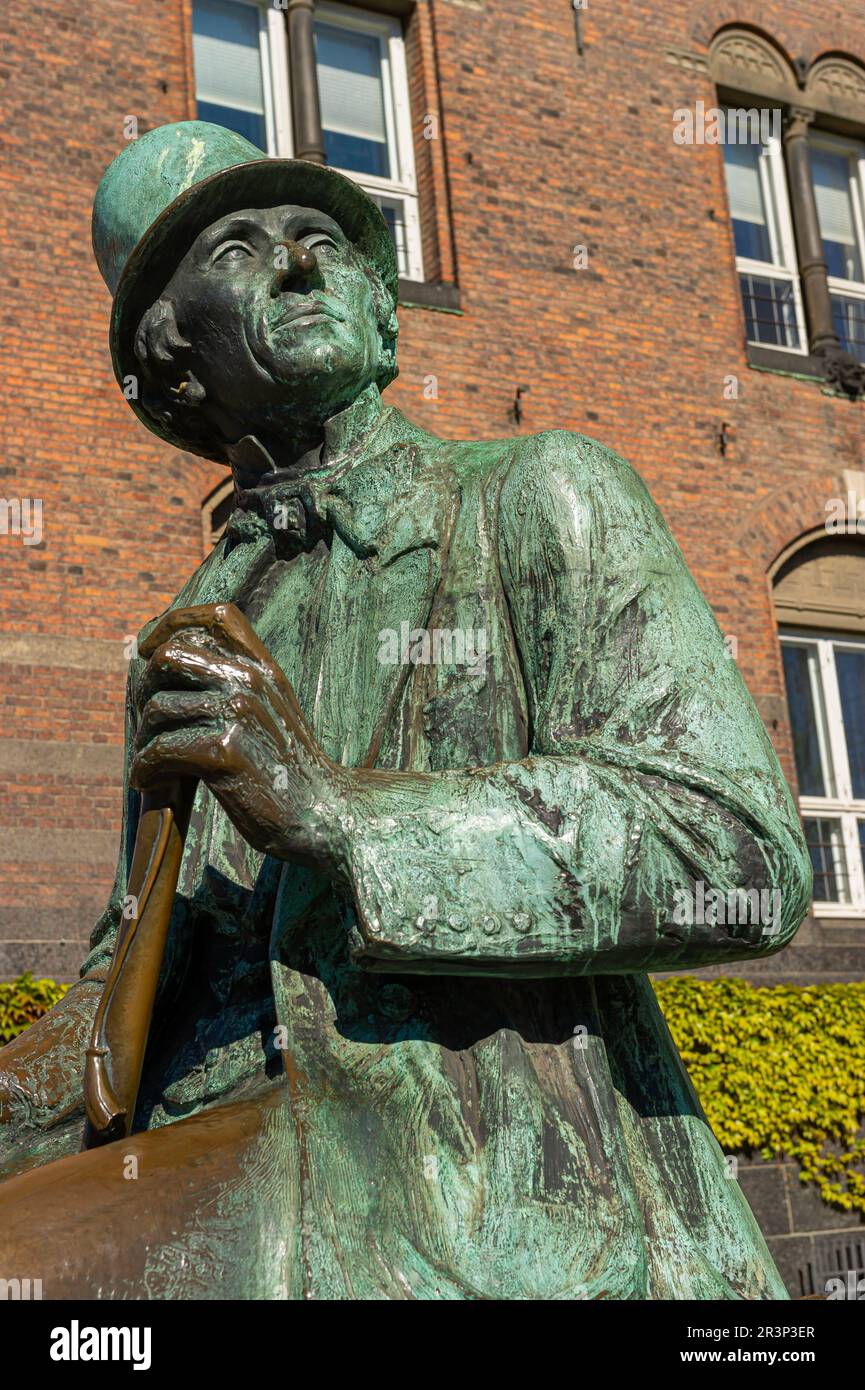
pixel 283 504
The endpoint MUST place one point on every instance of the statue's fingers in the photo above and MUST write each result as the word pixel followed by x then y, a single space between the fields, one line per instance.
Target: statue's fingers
pixel 222 621
pixel 198 666
pixel 199 722
pixel 170 709
pixel 198 751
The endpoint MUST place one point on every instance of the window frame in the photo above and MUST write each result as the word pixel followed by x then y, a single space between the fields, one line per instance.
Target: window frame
pixel 276 88
pixel 840 144
pixel 773 184
pixel 398 122
pixel 842 805
pixel 273 55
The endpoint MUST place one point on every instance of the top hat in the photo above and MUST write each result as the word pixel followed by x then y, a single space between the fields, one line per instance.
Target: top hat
pixel 164 188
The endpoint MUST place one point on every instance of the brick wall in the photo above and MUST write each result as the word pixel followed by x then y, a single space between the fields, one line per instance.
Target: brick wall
pixel 539 151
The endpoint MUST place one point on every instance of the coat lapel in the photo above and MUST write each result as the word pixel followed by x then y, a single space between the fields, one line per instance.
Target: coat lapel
pixel 392 516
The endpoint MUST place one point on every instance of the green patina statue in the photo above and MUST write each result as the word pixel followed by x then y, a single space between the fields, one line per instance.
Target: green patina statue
pixel 463 757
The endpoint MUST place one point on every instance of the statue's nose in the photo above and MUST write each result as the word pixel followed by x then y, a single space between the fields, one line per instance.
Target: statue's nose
pixel 294 262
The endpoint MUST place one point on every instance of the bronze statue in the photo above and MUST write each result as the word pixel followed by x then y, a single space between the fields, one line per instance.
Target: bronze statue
pixel 456 737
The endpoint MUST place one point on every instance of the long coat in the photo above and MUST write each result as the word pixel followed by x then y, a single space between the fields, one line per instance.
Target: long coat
pixel 478 1096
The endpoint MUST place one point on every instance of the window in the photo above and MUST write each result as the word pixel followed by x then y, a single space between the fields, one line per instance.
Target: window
pixel 363 90
pixel 242 81
pixel 215 511
pixel 825 680
pixel 838 175
pixel 239 51
pixel 765 249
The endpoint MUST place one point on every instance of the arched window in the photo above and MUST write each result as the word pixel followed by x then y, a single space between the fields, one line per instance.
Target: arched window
pixel 820 603
pixel 215 511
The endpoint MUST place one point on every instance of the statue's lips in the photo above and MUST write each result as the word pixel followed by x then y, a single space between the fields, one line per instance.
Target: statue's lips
pixel 312 311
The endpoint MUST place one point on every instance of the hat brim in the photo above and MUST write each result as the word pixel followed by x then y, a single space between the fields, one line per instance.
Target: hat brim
pixel 259 183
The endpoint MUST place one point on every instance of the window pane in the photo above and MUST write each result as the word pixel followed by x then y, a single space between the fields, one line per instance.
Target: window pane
pixel 770 311
pixel 393 212
pixel 351 91
pixel 747 204
pixel 861 828
pixel 850 666
pixel 228 80
pixel 825 847
pixel 848 319
pixel 830 173
pixel 801 677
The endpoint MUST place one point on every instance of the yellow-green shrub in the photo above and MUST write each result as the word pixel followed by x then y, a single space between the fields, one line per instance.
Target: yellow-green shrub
pixel 24 1000
pixel 779 1070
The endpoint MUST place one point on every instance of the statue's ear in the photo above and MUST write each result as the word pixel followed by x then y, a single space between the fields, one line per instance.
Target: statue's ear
pixel 171 388
pixel 190 389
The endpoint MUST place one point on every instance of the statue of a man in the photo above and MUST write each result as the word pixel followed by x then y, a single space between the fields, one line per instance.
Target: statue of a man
pixel 469 750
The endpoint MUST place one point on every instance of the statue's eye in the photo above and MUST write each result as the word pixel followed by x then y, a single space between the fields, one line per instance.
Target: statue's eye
pixel 230 251
pixel 319 241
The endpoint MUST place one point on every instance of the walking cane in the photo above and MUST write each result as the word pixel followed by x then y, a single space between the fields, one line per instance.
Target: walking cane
pixel 114 1059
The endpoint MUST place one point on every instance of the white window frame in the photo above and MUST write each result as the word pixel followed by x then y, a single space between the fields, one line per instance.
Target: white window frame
pixel 403 186
pixel 773 182
pixel 841 805
pixel 273 50
pixel 839 144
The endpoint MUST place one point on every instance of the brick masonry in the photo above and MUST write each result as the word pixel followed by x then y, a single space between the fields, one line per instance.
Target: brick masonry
pixel 539 151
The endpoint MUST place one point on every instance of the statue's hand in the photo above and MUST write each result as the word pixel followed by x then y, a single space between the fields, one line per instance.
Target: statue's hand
pixel 216 706
pixel 41 1070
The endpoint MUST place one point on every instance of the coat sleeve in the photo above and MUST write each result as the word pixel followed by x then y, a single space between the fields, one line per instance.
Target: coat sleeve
pixel 650 827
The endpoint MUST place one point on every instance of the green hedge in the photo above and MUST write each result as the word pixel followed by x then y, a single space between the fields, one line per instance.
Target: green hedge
pixel 23 1001
pixel 779 1071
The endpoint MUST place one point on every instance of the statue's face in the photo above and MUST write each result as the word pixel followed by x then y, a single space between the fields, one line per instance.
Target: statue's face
pixel 281 313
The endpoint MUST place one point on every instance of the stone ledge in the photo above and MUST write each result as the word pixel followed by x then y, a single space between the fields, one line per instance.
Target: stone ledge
pixel 31 844
pixel 61 759
pixel 60 960
pixel 48 649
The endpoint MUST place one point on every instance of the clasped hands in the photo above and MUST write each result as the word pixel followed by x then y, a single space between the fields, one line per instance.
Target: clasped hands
pixel 214 705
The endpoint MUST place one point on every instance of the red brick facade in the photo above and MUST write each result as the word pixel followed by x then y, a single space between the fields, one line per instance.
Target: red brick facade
pixel 538 150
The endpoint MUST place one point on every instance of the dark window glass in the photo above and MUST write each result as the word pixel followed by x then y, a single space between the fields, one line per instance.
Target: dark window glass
pixel 803 719
pixel 830 174
pixel 823 838
pixel 770 313
pixel 747 205
pixel 850 666
pixel 356 153
pixel 226 50
pixel 848 318
pixel 351 93
pixel 246 123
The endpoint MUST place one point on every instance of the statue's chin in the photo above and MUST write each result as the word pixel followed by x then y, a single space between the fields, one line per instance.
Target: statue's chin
pixel 301 357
